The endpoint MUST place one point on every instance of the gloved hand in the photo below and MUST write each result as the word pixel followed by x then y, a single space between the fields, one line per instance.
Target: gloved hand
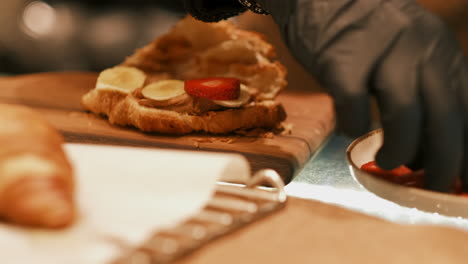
pixel 403 55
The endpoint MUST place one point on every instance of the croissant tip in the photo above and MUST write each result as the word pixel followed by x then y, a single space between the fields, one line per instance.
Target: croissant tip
pixel 45 209
pixel 60 214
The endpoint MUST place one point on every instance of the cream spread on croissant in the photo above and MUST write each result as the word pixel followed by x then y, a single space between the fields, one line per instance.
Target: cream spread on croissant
pixel 182 104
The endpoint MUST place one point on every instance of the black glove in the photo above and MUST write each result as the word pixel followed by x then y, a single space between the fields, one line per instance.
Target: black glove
pixel 404 56
pixel 213 10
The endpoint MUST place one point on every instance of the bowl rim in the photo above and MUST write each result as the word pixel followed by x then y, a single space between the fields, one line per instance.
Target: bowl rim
pixel 418 191
pixel 357 141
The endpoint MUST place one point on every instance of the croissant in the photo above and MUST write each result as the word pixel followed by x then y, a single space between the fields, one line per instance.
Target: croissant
pixel 36 178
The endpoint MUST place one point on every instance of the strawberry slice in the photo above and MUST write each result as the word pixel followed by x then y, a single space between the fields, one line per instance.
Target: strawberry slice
pixel 216 88
pixel 400 175
pixel 372 168
pixel 405 176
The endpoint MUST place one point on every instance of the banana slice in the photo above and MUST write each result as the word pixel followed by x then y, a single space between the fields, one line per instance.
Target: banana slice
pixel 244 97
pixel 163 90
pixel 122 78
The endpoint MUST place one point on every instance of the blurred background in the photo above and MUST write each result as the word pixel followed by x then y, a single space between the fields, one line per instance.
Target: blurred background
pixel 89 35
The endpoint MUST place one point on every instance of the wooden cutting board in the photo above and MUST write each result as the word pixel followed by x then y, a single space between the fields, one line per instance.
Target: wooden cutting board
pixel 57 96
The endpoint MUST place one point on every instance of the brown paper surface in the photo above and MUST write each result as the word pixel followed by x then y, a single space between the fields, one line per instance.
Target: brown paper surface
pixel 307 231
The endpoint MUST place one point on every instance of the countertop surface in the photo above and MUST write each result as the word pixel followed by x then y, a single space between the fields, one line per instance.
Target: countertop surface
pixel 328 166
pixel 327 178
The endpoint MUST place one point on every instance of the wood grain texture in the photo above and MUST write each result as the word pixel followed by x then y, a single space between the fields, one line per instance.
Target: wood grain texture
pixel 57 96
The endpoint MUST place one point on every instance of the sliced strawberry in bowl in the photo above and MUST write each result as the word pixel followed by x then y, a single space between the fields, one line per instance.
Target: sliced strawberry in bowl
pixel 373 168
pixel 400 175
pixel 216 88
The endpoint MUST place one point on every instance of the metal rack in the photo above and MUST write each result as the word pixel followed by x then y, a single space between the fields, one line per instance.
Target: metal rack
pixel 231 207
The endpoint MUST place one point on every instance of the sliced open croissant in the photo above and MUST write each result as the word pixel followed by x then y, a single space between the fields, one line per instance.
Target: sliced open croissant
pixel 196 50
